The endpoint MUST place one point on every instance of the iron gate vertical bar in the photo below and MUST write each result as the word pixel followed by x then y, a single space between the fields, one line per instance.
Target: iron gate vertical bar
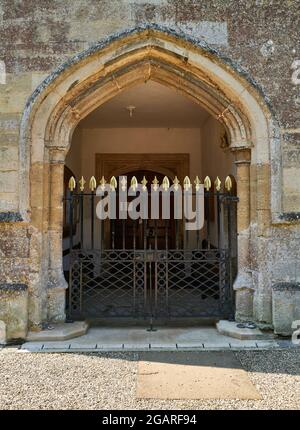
pixel 218 219
pixel 177 233
pixel 134 234
pixel 144 234
pixel 71 219
pixel 145 265
pixel 134 266
pixel 198 238
pixel 123 234
pixel 150 294
pixel 219 254
pixel 81 218
pixel 70 294
pixel 207 210
pixel 134 283
pixel 167 234
pixel 113 232
pixel 155 263
pixel 229 233
pixel 92 219
pixel 167 267
pixel 81 286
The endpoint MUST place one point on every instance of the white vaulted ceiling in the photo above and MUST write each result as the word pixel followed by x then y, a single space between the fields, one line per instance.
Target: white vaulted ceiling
pixel 156 106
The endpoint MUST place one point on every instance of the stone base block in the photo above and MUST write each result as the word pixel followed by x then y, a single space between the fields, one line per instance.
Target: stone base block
pixel 56 305
pixel 244 304
pixel 2 333
pixel 229 328
pixel 285 307
pixel 63 331
pixel 14 310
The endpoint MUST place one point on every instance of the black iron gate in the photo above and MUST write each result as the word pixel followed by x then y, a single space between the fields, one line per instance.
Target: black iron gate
pixel 193 279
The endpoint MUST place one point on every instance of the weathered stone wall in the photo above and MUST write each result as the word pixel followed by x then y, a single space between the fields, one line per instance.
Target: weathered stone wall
pixel 260 38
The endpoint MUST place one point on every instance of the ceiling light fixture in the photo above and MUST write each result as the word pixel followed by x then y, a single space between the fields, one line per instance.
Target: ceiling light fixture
pixel 130 108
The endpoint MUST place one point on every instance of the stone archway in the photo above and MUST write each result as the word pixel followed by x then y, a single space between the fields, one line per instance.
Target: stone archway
pixel 98 74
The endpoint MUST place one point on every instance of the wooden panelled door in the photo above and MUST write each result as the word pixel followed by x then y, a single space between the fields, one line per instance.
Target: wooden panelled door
pixel 160 233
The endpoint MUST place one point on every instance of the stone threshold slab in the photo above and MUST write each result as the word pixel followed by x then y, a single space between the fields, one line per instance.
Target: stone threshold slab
pixel 93 347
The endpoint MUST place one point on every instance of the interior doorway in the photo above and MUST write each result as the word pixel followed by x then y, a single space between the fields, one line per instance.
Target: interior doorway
pixel 152 234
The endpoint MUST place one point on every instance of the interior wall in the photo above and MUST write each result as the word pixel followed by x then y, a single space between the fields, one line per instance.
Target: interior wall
pixel 203 145
pixel 74 158
pixel 215 160
pixel 88 142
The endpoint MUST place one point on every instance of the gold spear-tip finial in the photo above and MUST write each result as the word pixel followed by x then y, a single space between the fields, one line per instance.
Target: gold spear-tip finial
pixel 218 184
pixel 134 183
pixel 176 183
pixel 197 183
pixel 187 183
pixel 144 183
pixel 123 183
pixel 72 183
pixel 155 183
pixel 102 183
pixel 93 183
pixel 82 183
pixel 113 183
pixel 228 183
pixel 165 183
pixel 207 183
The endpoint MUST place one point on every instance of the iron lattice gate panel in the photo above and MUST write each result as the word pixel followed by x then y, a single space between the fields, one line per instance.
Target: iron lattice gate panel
pixel 161 272
pixel 149 284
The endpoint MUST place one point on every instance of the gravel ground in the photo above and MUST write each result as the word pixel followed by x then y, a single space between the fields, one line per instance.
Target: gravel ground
pixel 107 381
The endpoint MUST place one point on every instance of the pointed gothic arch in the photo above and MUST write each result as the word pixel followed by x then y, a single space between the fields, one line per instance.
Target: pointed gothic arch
pixel 93 77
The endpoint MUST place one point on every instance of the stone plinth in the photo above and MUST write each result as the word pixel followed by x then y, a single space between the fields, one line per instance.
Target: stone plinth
pixel 59 332
pixel 230 328
pixel 2 333
pixel 14 310
pixel 285 306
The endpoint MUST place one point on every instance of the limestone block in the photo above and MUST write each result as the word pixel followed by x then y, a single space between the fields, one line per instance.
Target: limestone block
pixel 56 304
pixel 244 304
pixel 14 310
pixel 9 181
pixel 9 157
pixel 2 333
pixel 285 306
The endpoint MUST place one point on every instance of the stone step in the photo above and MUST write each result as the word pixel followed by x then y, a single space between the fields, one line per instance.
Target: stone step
pixel 229 328
pixel 60 331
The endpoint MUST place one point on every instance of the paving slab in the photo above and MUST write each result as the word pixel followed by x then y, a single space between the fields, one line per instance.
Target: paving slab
pixel 216 345
pixel 163 346
pixel 80 346
pixel 190 375
pixel 110 346
pixel 137 347
pixel 190 346
pixel 56 345
pixel 267 344
pixel 240 344
pixel 32 346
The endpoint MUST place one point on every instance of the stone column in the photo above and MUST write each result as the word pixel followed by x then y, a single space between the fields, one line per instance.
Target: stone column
pixel 57 284
pixel 243 285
